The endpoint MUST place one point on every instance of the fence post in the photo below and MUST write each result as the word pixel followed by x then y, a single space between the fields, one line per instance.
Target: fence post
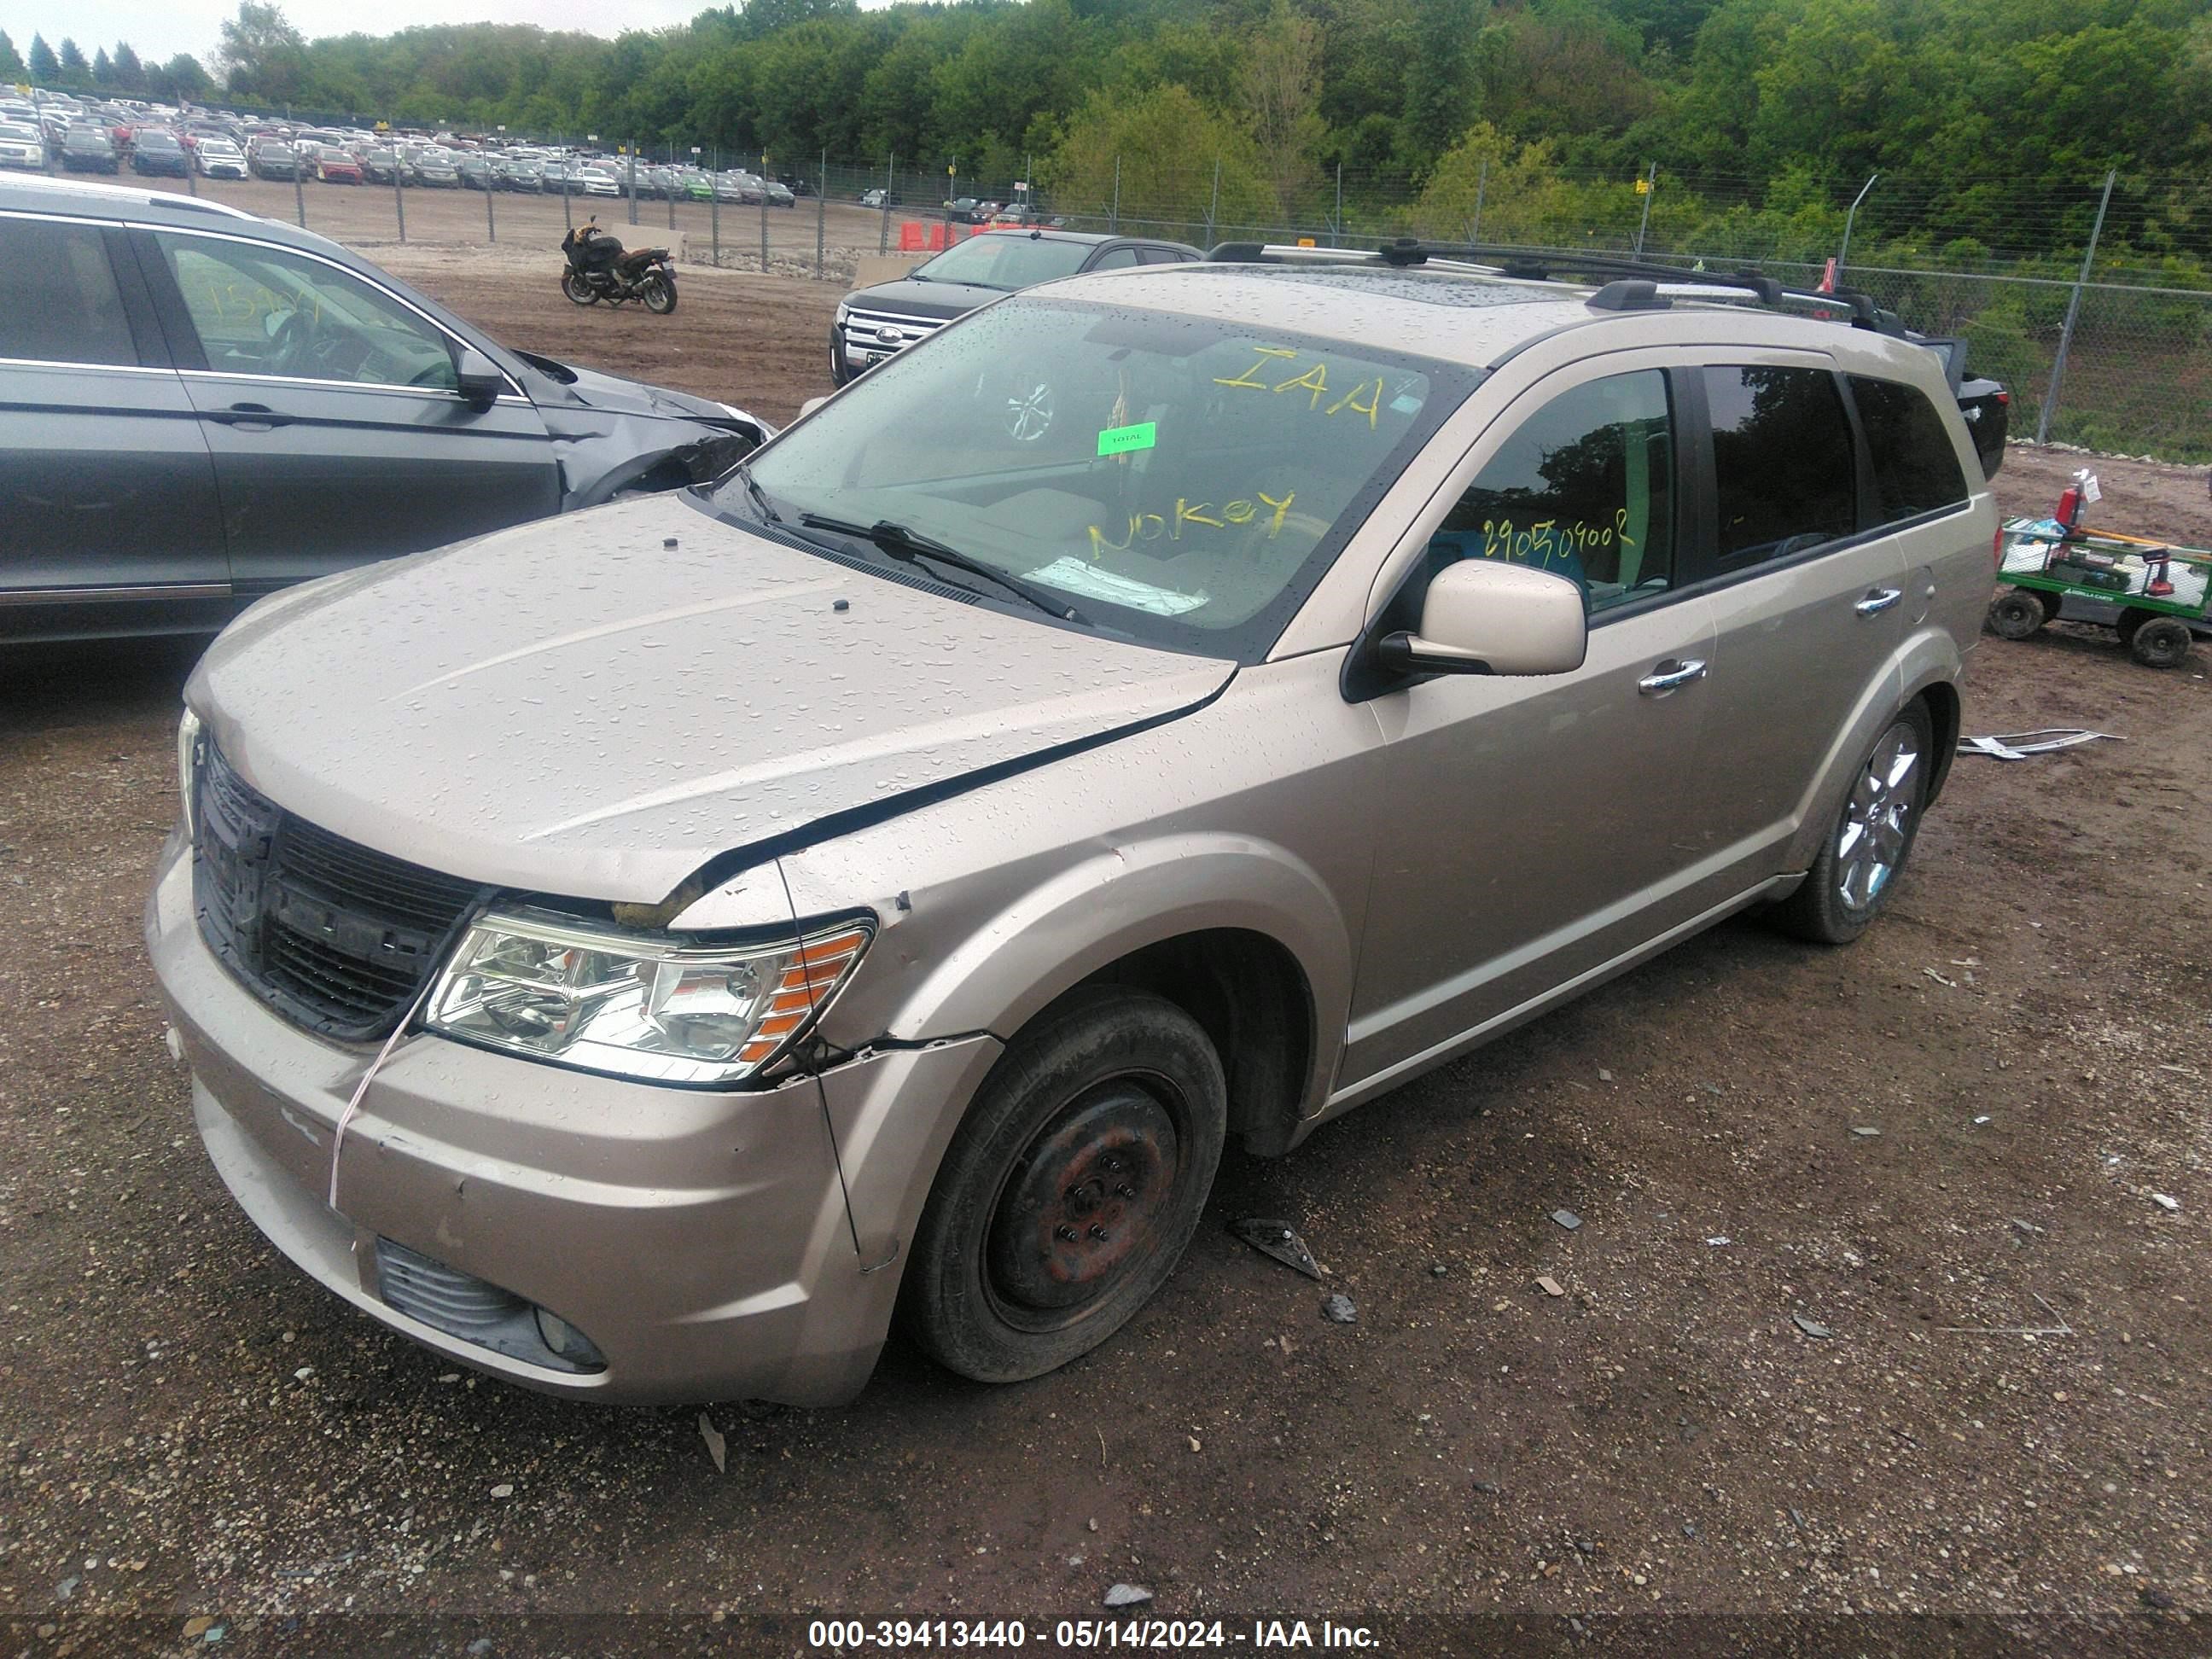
pixel 673 185
pixel 764 176
pixel 400 189
pixel 491 225
pixel 1115 223
pixel 568 213
pixel 821 212
pixel 633 183
pixel 1213 213
pixel 890 181
pixel 1845 251
pixel 299 191
pixel 714 208
pixel 1336 228
pixel 2073 310
pixel 1650 188
pixel 1481 186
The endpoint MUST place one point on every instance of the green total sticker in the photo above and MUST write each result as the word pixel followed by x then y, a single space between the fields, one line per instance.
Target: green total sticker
pixel 1120 439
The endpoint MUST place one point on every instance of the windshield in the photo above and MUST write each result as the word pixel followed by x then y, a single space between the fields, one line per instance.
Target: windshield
pixel 1182 481
pixel 996 260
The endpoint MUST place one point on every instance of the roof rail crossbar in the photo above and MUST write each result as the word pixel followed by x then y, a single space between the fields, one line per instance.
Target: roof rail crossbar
pixel 1537 264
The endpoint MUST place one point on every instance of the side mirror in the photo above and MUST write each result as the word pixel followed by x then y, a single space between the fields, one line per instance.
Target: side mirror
pixel 811 405
pixel 477 377
pixel 1486 617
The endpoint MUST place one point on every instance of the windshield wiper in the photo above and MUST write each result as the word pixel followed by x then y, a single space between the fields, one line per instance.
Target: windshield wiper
pixel 908 546
pixel 759 496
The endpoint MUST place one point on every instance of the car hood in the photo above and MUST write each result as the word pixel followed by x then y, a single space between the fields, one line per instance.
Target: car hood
pixel 576 707
pixel 910 298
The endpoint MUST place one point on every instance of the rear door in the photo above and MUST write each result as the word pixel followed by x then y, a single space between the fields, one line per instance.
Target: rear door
pixel 108 516
pixel 1809 597
pixel 328 403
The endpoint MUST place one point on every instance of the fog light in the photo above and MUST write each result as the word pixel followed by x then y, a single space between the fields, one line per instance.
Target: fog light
pixel 571 1344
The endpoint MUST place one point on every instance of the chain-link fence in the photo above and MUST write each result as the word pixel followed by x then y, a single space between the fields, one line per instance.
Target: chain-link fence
pixel 2100 344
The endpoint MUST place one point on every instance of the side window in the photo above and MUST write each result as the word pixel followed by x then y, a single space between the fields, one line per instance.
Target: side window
pixel 260 310
pixel 1584 487
pixel 58 302
pixel 1782 461
pixel 1114 259
pixel 1161 256
pixel 1915 470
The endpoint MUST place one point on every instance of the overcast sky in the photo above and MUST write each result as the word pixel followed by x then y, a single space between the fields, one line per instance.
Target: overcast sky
pixel 160 31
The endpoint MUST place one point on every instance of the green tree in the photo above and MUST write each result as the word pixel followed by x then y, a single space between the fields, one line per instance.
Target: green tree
pixel 46 69
pixel 75 71
pixel 262 55
pixel 130 73
pixel 1163 147
pixel 103 67
pixel 11 64
pixel 1280 86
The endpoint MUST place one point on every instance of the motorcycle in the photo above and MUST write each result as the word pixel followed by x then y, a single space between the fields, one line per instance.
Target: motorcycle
pixel 600 269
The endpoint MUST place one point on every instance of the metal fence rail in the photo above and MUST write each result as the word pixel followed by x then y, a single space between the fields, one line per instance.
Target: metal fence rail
pixel 2100 346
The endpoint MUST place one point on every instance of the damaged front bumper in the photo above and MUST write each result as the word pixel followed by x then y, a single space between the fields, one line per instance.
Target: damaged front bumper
pixel 701 1243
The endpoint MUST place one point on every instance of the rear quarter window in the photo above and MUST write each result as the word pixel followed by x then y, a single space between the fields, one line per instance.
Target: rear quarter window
pixel 1916 469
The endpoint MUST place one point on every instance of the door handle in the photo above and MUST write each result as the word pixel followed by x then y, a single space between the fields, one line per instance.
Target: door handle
pixel 251 417
pixel 1662 679
pixel 1879 600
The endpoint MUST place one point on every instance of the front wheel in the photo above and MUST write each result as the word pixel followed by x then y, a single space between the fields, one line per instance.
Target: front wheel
pixel 1070 1190
pixel 2016 613
pixel 578 289
pixel 1852 879
pixel 659 293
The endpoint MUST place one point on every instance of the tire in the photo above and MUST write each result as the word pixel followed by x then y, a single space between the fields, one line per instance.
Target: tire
pixel 2161 642
pixel 1850 882
pixel 2051 603
pixel 2131 619
pixel 577 289
pixel 1070 1190
pixel 2015 614
pixel 659 294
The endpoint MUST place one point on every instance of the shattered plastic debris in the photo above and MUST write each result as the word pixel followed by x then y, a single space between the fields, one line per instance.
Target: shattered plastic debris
pixel 2169 1205
pixel 1549 1285
pixel 1277 1239
pixel 1567 1218
pixel 717 1447
pixel 2021 745
pixel 1811 1328
pixel 1127 1596
pixel 1337 1310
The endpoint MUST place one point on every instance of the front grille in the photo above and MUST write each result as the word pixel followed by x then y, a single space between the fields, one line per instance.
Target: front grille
pixel 335 937
pixel 863 330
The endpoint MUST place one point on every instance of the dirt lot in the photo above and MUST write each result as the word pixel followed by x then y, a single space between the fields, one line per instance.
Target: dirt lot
pixel 194 1433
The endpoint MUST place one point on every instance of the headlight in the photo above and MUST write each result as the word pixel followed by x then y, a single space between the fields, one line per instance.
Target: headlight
pixel 188 766
pixel 844 311
pixel 636 1005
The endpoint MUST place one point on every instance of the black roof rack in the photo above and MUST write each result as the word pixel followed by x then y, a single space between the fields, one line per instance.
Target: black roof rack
pixel 1537 264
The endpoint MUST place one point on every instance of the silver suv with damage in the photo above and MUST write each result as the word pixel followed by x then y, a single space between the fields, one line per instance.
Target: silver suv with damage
pixel 641 960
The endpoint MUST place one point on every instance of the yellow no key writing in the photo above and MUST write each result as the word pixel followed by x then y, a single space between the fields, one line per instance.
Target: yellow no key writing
pixel 1314 382
pixel 1150 527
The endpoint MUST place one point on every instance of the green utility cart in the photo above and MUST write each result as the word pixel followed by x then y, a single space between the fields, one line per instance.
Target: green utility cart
pixel 2153 595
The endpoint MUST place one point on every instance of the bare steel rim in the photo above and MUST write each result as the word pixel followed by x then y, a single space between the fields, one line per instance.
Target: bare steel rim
pixel 1080 1213
pixel 1877 818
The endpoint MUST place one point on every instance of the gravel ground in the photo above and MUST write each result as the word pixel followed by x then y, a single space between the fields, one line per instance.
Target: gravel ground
pixel 1956 1366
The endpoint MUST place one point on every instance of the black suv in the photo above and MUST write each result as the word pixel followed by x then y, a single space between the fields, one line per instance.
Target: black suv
pixel 876 322
pixel 88 149
pixel 198 406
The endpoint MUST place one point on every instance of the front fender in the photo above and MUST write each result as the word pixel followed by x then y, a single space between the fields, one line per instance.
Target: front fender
pixel 945 967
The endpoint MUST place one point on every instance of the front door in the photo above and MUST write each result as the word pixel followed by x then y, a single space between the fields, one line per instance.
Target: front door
pixel 330 409
pixel 1530 830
